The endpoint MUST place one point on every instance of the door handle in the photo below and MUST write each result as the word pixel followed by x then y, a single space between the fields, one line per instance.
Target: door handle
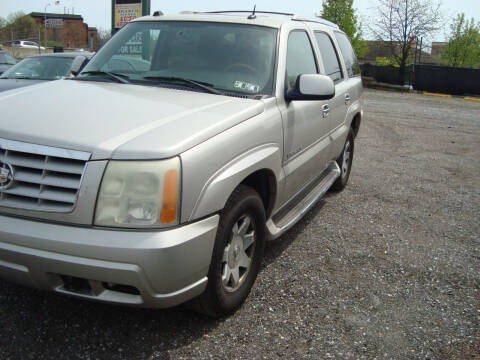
pixel 347 98
pixel 325 110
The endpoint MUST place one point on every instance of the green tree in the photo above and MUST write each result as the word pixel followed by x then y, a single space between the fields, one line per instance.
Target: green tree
pixel 19 25
pixel 342 13
pixel 463 48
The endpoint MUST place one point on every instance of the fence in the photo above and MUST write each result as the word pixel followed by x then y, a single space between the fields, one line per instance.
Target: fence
pixel 441 79
pixel 448 80
pixel 386 74
pixel 8 38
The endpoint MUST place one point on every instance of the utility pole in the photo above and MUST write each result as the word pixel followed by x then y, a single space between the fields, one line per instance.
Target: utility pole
pixel 420 52
pixel 45 23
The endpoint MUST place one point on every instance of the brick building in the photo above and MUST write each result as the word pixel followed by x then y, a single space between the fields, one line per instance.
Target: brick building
pixel 70 30
pixel 438 47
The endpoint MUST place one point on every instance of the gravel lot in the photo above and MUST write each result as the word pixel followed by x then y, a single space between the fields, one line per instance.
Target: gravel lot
pixel 389 268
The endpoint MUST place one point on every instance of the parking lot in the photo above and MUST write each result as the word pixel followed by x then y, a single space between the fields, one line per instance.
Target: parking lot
pixel 388 268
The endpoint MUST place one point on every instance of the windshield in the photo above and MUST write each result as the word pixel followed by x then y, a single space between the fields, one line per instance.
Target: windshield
pixel 7 59
pixel 231 58
pixel 40 68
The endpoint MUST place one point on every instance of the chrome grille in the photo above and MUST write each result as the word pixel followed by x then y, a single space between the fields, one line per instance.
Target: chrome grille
pixel 44 178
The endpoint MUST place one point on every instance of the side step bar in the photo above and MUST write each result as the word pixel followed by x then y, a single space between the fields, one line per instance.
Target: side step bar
pixel 277 228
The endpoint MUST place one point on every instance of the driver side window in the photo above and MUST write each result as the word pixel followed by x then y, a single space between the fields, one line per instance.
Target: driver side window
pixel 300 58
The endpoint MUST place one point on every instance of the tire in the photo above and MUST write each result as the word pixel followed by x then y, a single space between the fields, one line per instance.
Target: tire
pixel 344 162
pixel 237 254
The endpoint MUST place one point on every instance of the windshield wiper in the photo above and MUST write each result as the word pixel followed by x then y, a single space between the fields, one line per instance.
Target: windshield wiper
pixel 121 78
pixel 23 78
pixel 199 84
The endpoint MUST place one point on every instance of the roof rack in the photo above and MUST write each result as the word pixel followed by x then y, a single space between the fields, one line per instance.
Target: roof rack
pixel 294 17
pixel 242 11
pixel 319 21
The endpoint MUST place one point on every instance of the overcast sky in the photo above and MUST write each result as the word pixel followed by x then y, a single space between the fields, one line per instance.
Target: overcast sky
pixel 97 12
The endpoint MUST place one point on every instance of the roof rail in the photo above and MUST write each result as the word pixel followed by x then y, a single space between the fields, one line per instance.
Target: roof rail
pixel 294 17
pixel 243 11
pixel 319 21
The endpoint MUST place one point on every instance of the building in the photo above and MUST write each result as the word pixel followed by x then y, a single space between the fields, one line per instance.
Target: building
pixel 376 49
pixel 438 48
pixel 384 49
pixel 92 35
pixel 66 29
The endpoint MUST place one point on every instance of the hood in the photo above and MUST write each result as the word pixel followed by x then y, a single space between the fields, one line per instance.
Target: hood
pixel 9 84
pixel 119 121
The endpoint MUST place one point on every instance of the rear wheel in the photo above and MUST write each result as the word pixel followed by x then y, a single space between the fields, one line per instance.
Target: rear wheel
pixel 344 162
pixel 237 254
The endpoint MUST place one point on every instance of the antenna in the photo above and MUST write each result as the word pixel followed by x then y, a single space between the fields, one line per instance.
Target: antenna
pixel 252 15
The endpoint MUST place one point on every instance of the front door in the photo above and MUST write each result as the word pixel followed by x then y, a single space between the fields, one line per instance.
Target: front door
pixel 306 125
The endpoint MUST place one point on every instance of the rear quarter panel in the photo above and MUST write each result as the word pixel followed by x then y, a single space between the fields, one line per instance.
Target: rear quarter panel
pixel 339 135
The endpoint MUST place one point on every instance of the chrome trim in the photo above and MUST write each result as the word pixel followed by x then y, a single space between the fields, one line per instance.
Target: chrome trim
pixel 43 150
pixel 277 228
pixel 7 176
pixel 43 178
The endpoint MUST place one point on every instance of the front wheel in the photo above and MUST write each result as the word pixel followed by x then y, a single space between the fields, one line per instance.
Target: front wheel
pixel 344 162
pixel 237 254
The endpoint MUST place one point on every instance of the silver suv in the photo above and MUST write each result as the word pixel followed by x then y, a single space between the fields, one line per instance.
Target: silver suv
pixel 157 175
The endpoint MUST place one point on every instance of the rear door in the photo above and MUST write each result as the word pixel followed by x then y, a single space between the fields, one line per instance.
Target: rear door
pixel 339 104
pixel 352 89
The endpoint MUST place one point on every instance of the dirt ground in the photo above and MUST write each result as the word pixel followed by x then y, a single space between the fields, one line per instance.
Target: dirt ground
pixel 388 268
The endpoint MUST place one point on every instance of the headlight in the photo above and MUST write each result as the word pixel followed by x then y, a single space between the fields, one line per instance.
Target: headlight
pixel 139 194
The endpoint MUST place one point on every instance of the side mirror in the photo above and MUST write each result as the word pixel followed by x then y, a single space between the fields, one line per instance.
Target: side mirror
pixel 77 65
pixel 311 87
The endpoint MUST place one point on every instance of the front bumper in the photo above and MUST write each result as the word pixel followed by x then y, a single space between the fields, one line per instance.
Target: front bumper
pixel 139 268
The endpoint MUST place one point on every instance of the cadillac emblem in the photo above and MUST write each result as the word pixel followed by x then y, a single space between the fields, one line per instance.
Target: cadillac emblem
pixel 6 176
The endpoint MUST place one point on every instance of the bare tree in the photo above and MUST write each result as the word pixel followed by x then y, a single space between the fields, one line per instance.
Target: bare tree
pixel 101 37
pixel 403 22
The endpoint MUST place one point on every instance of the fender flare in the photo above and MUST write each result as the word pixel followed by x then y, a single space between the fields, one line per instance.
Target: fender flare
pixel 221 184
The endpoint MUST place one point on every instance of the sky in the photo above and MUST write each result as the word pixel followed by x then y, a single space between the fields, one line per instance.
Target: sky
pixel 97 12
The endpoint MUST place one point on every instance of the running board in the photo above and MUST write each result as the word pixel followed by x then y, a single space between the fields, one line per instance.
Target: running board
pixel 277 228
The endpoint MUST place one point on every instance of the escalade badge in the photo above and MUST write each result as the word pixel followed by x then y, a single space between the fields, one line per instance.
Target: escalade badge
pixel 6 176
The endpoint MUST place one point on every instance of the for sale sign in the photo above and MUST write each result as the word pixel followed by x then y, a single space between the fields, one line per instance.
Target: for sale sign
pixel 126 11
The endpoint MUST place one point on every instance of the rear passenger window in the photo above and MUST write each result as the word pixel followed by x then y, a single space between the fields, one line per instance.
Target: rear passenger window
pixel 348 53
pixel 300 58
pixel 329 56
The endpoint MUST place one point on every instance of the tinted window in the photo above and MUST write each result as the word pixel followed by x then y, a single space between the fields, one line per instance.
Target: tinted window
pixel 10 59
pixel 233 58
pixel 329 56
pixel 40 68
pixel 348 54
pixel 300 58
pixel 7 59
